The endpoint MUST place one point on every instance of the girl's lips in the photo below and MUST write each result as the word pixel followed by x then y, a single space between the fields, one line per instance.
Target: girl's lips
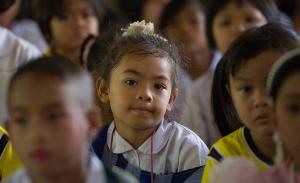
pixel 40 155
pixel 263 118
pixel 141 110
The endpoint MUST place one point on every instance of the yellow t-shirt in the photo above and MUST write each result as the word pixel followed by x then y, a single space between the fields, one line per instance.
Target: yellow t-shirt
pixel 9 162
pixel 238 143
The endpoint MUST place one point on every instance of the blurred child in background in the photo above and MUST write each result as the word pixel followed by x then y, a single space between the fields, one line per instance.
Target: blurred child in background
pixel 67 23
pixel 225 21
pixel 284 89
pixel 51 129
pixel 242 86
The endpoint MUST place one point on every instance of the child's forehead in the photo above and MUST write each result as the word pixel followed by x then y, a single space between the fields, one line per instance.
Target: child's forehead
pixel 236 5
pixel 39 86
pixel 35 80
pixel 141 57
pixel 72 5
pixel 257 66
pixel 144 63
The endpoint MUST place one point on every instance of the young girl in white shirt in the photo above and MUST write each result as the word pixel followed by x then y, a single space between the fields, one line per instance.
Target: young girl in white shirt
pixel 139 81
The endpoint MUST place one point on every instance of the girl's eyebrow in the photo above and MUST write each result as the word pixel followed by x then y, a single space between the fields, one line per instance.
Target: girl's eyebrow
pixel 131 71
pixel 242 78
pixel 17 109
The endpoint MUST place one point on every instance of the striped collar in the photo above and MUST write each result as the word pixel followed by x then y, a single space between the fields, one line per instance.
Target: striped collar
pixel 160 139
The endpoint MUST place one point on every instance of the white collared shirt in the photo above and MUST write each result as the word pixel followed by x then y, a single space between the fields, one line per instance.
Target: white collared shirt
pixel 197 113
pixel 175 149
pixel 95 174
pixel 14 52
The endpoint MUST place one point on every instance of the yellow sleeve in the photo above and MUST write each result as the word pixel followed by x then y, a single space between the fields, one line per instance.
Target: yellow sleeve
pixel 9 162
pixel 210 164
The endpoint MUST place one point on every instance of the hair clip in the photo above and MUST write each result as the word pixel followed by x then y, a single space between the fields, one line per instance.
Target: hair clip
pixel 141 27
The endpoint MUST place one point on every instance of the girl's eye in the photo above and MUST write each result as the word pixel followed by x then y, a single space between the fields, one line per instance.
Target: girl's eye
pixel 20 120
pixel 249 20
pixel 54 116
pixel 293 108
pixel 160 86
pixel 194 19
pixel 87 14
pixel 246 89
pixel 131 82
pixel 64 16
pixel 225 22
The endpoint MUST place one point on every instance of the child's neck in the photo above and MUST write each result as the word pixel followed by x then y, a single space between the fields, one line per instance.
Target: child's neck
pixel 72 178
pixel 72 175
pixel 72 54
pixel 198 67
pixel 135 137
pixel 264 144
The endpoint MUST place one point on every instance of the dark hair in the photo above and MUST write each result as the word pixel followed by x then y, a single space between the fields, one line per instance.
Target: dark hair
pixel 248 45
pixel 5 4
pixel 61 68
pixel 174 7
pixel 267 7
pixel 143 45
pixel 46 10
pixel 287 65
pixel 97 51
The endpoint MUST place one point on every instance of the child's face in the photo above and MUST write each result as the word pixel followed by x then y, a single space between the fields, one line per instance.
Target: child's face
pixel 69 31
pixel 48 127
pixel 187 30
pixel 287 114
pixel 248 92
pixel 140 92
pixel 232 21
pixel 152 10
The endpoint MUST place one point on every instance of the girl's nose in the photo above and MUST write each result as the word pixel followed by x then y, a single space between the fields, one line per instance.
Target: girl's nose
pixel 144 94
pixel 78 20
pixel 36 132
pixel 239 27
pixel 261 99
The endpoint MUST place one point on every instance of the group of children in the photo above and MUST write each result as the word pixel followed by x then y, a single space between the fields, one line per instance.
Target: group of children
pixel 54 123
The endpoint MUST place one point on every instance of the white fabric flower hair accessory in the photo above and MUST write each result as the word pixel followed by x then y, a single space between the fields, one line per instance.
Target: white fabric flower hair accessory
pixel 141 27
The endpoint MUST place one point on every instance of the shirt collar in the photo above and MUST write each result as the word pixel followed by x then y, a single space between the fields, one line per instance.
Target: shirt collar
pixel 215 60
pixel 160 139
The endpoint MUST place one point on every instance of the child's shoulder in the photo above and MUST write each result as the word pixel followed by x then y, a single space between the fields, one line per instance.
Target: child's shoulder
pixel 232 139
pixel 232 144
pixel 183 131
pixel 2 131
pixel 19 176
pixel 185 137
pixel 187 147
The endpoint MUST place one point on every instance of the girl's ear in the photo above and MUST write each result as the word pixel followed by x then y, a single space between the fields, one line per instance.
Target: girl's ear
pixel 102 90
pixel 172 99
pixel 95 121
